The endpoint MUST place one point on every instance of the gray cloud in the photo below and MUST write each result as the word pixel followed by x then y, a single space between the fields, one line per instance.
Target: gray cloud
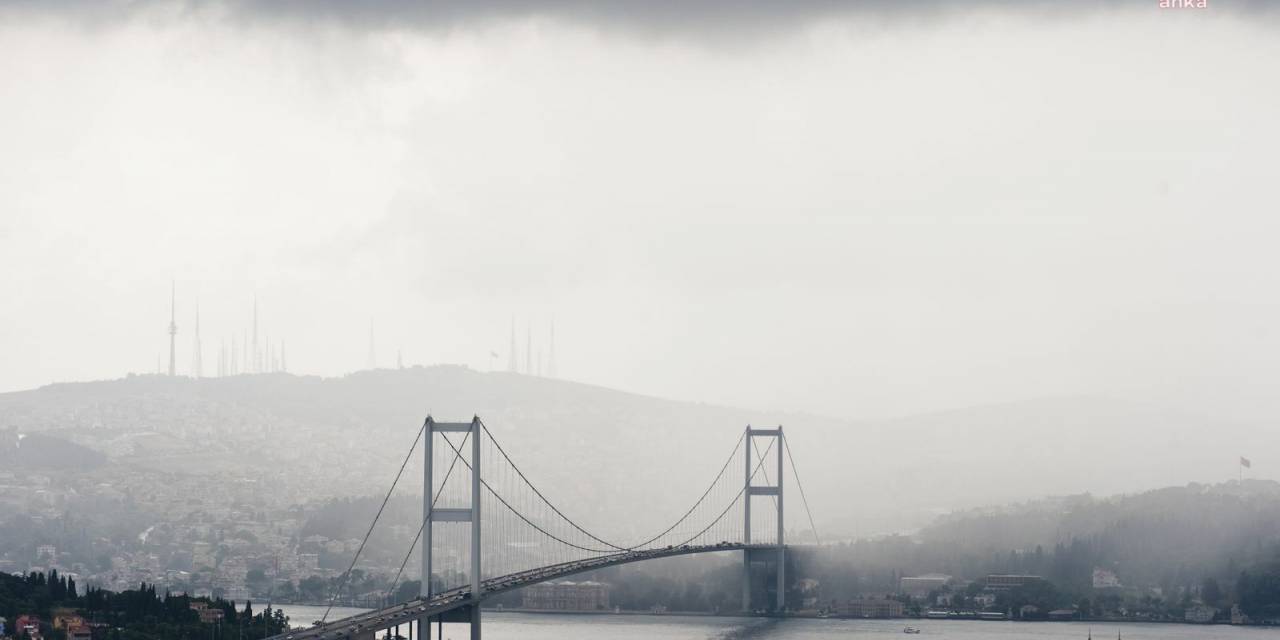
pixel 859 221
pixel 653 17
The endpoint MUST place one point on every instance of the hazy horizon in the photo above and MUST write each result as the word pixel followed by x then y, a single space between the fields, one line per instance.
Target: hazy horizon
pixel 900 472
pixel 764 411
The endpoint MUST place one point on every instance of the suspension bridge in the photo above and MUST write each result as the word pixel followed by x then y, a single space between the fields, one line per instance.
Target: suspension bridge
pixel 487 529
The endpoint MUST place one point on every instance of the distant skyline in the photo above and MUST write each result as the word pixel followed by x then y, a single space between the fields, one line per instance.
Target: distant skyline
pixel 851 213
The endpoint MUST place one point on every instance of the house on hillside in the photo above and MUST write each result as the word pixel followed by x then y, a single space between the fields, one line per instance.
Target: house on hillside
pixel 921 586
pixel 29 624
pixel 1200 614
pixel 565 595
pixel 1005 582
pixel 66 618
pixel 1238 616
pixel 208 615
pixel 1104 579
pixel 872 608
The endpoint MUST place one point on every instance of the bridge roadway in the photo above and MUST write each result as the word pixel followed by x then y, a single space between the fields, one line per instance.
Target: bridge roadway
pixel 366 625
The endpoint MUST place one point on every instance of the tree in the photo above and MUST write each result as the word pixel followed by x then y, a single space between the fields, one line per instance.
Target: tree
pixel 407 590
pixel 256 580
pixel 1085 606
pixel 1210 592
pixel 1259 592
pixel 313 589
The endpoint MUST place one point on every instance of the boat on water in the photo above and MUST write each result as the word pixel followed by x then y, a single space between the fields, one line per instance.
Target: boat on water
pixel 910 630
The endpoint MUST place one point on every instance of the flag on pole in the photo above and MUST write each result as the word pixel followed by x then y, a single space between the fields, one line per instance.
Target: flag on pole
pixel 1244 462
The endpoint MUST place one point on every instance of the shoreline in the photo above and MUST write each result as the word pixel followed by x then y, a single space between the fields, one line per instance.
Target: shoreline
pixel 694 614
pixel 806 616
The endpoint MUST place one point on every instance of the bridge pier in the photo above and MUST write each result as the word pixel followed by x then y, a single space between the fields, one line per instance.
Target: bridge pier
pixel 468 615
pixel 431 515
pixel 775 490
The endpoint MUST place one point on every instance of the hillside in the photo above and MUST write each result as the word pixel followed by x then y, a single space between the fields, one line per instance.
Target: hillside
pixel 1168 549
pixel 346 436
pixel 937 462
pixel 628 454
pixel 40 452
pixel 1148 538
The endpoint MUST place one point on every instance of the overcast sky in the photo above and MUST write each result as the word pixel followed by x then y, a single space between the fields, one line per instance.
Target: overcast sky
pixel 853 211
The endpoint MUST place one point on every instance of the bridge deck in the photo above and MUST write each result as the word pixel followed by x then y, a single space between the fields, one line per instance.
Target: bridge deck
pixel 366 624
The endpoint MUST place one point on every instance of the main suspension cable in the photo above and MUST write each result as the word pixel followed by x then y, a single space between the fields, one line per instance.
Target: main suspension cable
pixel 731 504
pixel 704 494
pixel 544 498
pixel 427 518
pixel 575 525
pixel 796 473
pixel 347 575
pixel 527 520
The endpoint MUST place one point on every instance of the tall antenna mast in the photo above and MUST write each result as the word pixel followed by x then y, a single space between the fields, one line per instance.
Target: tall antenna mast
pixel 511 353
pixel 551 355
pixel 197 364
pixel 173 327
pixel 256 362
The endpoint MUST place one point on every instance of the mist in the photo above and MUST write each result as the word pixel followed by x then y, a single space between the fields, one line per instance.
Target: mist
pixel 847 216
pixel 969 255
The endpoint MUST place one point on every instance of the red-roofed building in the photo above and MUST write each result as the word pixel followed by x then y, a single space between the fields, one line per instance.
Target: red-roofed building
pixel 30 624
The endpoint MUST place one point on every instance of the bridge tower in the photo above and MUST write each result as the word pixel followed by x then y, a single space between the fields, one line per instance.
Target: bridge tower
pixel 779 554
pixel 471 514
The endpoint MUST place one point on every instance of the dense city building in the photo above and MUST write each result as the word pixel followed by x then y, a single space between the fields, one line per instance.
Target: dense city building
pixel 1200 614
pixel 921 586
pixel 1104 579
pixel 567 596
pixel 998 582
pixel 872 608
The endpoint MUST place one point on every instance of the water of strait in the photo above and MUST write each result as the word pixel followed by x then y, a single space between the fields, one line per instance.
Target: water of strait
pixel 526 626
